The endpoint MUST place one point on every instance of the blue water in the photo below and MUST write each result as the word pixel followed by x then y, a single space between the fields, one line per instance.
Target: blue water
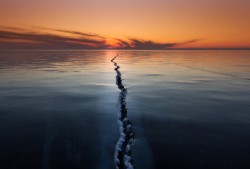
pixel 189 109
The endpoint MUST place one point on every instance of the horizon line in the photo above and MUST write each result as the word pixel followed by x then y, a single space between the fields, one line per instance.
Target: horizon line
pixel 127 49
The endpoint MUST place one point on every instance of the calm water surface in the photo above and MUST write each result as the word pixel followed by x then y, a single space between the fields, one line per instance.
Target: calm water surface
pixel 189 109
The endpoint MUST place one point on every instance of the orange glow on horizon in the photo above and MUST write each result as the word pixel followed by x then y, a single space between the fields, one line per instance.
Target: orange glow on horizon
pixel 217 24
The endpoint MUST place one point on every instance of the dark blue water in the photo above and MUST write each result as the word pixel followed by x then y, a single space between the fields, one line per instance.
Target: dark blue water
pixel 189 109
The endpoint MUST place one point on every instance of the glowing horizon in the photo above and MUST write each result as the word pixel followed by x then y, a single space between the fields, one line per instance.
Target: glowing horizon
pixel 140 24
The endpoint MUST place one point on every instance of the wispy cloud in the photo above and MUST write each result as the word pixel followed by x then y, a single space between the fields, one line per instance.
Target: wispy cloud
pixel 50 38
pixel 83 34
pixel 142 44
pixel 14 38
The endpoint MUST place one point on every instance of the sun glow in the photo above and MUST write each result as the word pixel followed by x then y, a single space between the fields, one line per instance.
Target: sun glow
pixel 216 24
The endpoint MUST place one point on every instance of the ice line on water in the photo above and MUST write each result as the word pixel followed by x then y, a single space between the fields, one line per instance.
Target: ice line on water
pixel 122 156
pixel 210 71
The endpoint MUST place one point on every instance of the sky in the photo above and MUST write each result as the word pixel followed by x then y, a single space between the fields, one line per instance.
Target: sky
pixel 124 24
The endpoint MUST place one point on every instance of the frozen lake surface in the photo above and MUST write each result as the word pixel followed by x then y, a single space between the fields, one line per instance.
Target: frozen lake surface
pixel 188 109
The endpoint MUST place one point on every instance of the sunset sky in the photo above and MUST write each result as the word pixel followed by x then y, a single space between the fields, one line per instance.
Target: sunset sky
pixel 125 24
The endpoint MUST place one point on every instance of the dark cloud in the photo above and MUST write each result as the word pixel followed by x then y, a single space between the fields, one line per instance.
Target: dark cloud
pixel 139 44
pixel 149 45
pixel 13 38
pixel 193 41
pixel 73 32
pixel 80 33
pixel 122 44
pixel 19 38
pixel 142 44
